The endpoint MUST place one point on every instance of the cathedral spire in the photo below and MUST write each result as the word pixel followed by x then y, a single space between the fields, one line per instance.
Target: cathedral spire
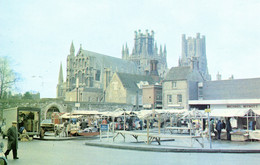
pixel 60 74
pixel 164 51
pixel 155 48
pixel 161 52
pixel 126 50
pixel 72 49
pixel 123 52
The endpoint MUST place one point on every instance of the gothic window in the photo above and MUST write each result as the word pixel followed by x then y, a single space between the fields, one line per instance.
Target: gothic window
pixel 91 82
pixel 97 76
pixel 86 81
pixel 82 79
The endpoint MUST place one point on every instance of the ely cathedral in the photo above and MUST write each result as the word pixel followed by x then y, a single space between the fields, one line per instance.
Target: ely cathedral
pixel 88 73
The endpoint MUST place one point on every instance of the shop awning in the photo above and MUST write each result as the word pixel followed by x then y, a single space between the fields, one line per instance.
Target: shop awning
pixel 232 112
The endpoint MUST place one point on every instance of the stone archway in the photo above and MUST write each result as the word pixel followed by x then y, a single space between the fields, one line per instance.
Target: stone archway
pixel 50 111
pixel 50 108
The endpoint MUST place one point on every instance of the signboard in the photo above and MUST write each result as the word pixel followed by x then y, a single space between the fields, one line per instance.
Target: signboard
pixel 242 106
pixel 104 127
pixel 77 105
pixel 207 110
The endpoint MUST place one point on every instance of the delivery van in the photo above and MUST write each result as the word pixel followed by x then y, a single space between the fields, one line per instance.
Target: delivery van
pixel 27 118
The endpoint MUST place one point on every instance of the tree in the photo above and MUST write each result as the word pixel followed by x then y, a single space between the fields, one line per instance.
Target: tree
pixel 27 95
pixel 7 76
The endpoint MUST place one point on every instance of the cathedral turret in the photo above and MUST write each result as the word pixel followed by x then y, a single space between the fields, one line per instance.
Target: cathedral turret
pixel 60 81
pixel 126 51
pixel 59 87
pixel 72 49
pixel 155 48
pixel 164 51
pixel 161 52
pixel 123 52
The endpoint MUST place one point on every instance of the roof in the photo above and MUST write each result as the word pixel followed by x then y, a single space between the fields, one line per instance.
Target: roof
pixel 115 64
pixel 183 73
pixel 232 89
pixel 130 81
pixel 178 73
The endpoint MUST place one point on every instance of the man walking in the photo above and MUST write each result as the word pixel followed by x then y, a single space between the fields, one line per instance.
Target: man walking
pixel 12 140
pixel 219 128
pixel 228 128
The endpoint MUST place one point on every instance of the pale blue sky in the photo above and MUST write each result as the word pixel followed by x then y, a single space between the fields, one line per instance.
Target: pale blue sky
pixel 36 35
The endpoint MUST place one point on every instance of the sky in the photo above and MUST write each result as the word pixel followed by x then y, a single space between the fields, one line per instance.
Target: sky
pixel 36 35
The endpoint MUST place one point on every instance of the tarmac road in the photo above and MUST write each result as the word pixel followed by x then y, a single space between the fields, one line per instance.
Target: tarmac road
pixel 70 152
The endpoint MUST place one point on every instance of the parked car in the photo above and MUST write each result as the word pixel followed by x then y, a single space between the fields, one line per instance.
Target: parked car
pixel 47 126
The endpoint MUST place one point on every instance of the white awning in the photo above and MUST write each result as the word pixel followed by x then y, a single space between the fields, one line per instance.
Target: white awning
pixel 232 112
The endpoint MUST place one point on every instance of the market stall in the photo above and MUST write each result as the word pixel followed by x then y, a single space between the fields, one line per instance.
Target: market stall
pixel 240 120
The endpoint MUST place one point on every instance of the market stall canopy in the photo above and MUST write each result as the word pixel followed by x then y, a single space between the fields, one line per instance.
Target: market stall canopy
pixel 119 113
pixel 257 112
pixel 85 112
pixel 194 114
pixel 146 113
pixel 68 116
pixel 232 113
pixel 171 111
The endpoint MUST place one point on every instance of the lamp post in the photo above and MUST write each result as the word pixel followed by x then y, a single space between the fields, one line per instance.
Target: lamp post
pixel 209 131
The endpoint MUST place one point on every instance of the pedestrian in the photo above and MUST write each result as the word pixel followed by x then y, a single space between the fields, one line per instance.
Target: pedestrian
pixel 12 140
pixel 179 123
pixel 130 123
pixel 212 130
pixel 228 128
pixel 252 125
pixel 223 124
pixel 104 121
pixel 141 124
pixel 219 127
pixel 65 128
pixel 203 124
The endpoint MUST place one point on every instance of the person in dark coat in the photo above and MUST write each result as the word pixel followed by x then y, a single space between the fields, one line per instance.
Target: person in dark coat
pixel 219 127
pixel 223 124
pixel 141 124
pixel 212 130
pixel 228 128
pixel 130 123
pixel 12 140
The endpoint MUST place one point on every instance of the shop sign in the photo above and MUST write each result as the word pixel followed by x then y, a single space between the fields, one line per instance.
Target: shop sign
pixel 242 106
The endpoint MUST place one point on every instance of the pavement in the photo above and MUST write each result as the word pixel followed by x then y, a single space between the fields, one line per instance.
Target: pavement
pixel 171 145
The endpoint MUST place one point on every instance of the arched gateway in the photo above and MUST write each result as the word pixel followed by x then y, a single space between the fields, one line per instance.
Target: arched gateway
pixel 50 108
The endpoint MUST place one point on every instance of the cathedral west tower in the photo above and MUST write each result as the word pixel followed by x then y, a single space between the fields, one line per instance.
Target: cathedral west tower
pixel 195 48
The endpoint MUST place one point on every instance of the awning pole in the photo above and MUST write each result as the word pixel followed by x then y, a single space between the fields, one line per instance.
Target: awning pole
pixel 124 120
pixel 148 125
pixel 247 121
pixel 113 125
pixel 159 124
